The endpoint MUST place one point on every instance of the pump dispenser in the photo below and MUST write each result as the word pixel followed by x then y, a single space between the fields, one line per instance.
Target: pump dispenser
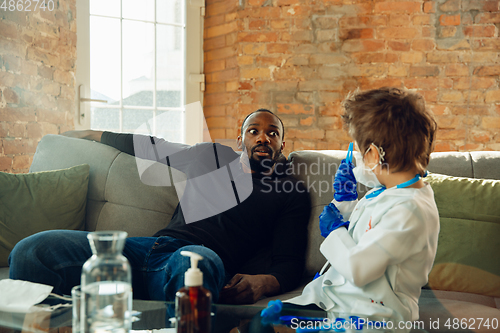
pixel 193 302
pixel 193 276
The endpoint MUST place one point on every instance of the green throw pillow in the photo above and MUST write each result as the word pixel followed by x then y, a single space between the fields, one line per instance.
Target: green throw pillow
pixel 468 254
pixel 34 202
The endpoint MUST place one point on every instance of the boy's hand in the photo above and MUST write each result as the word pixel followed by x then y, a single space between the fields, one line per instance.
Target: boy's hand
pixel 345 182
pixel 331 219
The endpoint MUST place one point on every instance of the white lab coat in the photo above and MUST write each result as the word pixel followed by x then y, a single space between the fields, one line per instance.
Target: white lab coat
pixel 379 265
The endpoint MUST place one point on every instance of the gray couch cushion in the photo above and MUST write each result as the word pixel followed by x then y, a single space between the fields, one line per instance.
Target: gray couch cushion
pixel 117 198
pixel 4 273
pixel 451 164
pixel 59 152
pixel 477 164
pixel 317 172
pixel 486 164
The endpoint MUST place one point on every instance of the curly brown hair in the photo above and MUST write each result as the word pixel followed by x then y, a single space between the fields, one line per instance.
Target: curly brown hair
pixel 396 120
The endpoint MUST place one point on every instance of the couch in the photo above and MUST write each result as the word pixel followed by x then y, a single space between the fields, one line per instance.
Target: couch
pixel 118 199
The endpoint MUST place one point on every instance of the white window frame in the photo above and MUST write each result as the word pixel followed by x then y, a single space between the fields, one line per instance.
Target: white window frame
pixel 194 78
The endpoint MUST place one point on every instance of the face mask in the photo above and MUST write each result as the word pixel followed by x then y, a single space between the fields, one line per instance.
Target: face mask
pixel 365 175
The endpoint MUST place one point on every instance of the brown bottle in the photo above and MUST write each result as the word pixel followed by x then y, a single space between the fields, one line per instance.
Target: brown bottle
pixel 193 303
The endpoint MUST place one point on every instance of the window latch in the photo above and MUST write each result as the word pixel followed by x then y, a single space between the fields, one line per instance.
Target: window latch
pixel 81 92
pixel 198 78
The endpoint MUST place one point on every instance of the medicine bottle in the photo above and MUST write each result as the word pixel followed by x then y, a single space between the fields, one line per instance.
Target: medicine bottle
pixel 193 302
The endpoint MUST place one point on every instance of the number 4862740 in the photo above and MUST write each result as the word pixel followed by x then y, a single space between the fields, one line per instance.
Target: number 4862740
pixel 27 5
pixel 471 323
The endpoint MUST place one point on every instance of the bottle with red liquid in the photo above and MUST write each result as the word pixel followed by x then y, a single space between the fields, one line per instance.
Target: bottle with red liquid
pixel 193 303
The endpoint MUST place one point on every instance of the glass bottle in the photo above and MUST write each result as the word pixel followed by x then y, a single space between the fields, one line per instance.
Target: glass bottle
pixel 193 302
pixel 106 285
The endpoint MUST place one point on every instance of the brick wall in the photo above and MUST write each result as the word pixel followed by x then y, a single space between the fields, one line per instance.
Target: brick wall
pixel 222 68
pixel 37 79
pixel 299 58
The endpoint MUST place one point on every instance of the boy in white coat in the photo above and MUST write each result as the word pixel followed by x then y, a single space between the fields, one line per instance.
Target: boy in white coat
pixel 379 249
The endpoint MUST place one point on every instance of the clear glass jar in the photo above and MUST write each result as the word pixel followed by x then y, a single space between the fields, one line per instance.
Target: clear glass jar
pixel 106 285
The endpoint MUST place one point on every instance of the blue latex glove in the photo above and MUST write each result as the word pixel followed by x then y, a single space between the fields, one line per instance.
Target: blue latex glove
pixel 331 219
pixel 345 182
pixel 273 309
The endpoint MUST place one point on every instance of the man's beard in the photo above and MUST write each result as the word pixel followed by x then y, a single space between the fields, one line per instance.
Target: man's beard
pixel 264 165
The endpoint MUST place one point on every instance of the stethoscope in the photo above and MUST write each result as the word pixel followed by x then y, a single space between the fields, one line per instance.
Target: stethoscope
pixel 402 185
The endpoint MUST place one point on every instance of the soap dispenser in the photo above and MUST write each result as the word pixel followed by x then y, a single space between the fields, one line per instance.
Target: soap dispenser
pixel 193 302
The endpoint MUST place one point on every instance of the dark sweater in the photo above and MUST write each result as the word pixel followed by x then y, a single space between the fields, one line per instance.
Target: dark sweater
pixel 274 214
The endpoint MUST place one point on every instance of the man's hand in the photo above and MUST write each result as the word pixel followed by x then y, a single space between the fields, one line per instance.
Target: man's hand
pixel 248 289
pixel 85 134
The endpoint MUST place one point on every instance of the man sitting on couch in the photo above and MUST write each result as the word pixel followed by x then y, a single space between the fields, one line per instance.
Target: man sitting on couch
pixel 270 211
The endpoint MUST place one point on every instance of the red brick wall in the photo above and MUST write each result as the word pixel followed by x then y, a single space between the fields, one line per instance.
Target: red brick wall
pixel 37 67
pixel 299 58
pixel 222 70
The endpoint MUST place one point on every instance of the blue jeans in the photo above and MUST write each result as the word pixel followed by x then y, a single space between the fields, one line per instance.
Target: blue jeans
pixel 56 258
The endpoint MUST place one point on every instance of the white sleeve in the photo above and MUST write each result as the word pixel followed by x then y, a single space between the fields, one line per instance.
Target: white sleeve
pixel 345 207
pixel 399 235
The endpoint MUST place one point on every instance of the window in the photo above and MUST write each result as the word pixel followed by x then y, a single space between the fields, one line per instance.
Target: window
pixel 132 59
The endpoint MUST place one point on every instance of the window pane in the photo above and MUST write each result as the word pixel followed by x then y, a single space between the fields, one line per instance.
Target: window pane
pixel 170 65
pixel 169 125
pixel 138 10
pixel 138 63
pixel 133 119
pixel 170 11
pixel 105 119
pixel 130 58
pixel 107 7
pixel 168 98
pixel 105 59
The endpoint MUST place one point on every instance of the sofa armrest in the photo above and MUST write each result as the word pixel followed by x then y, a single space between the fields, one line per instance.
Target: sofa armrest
pixel 117 199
